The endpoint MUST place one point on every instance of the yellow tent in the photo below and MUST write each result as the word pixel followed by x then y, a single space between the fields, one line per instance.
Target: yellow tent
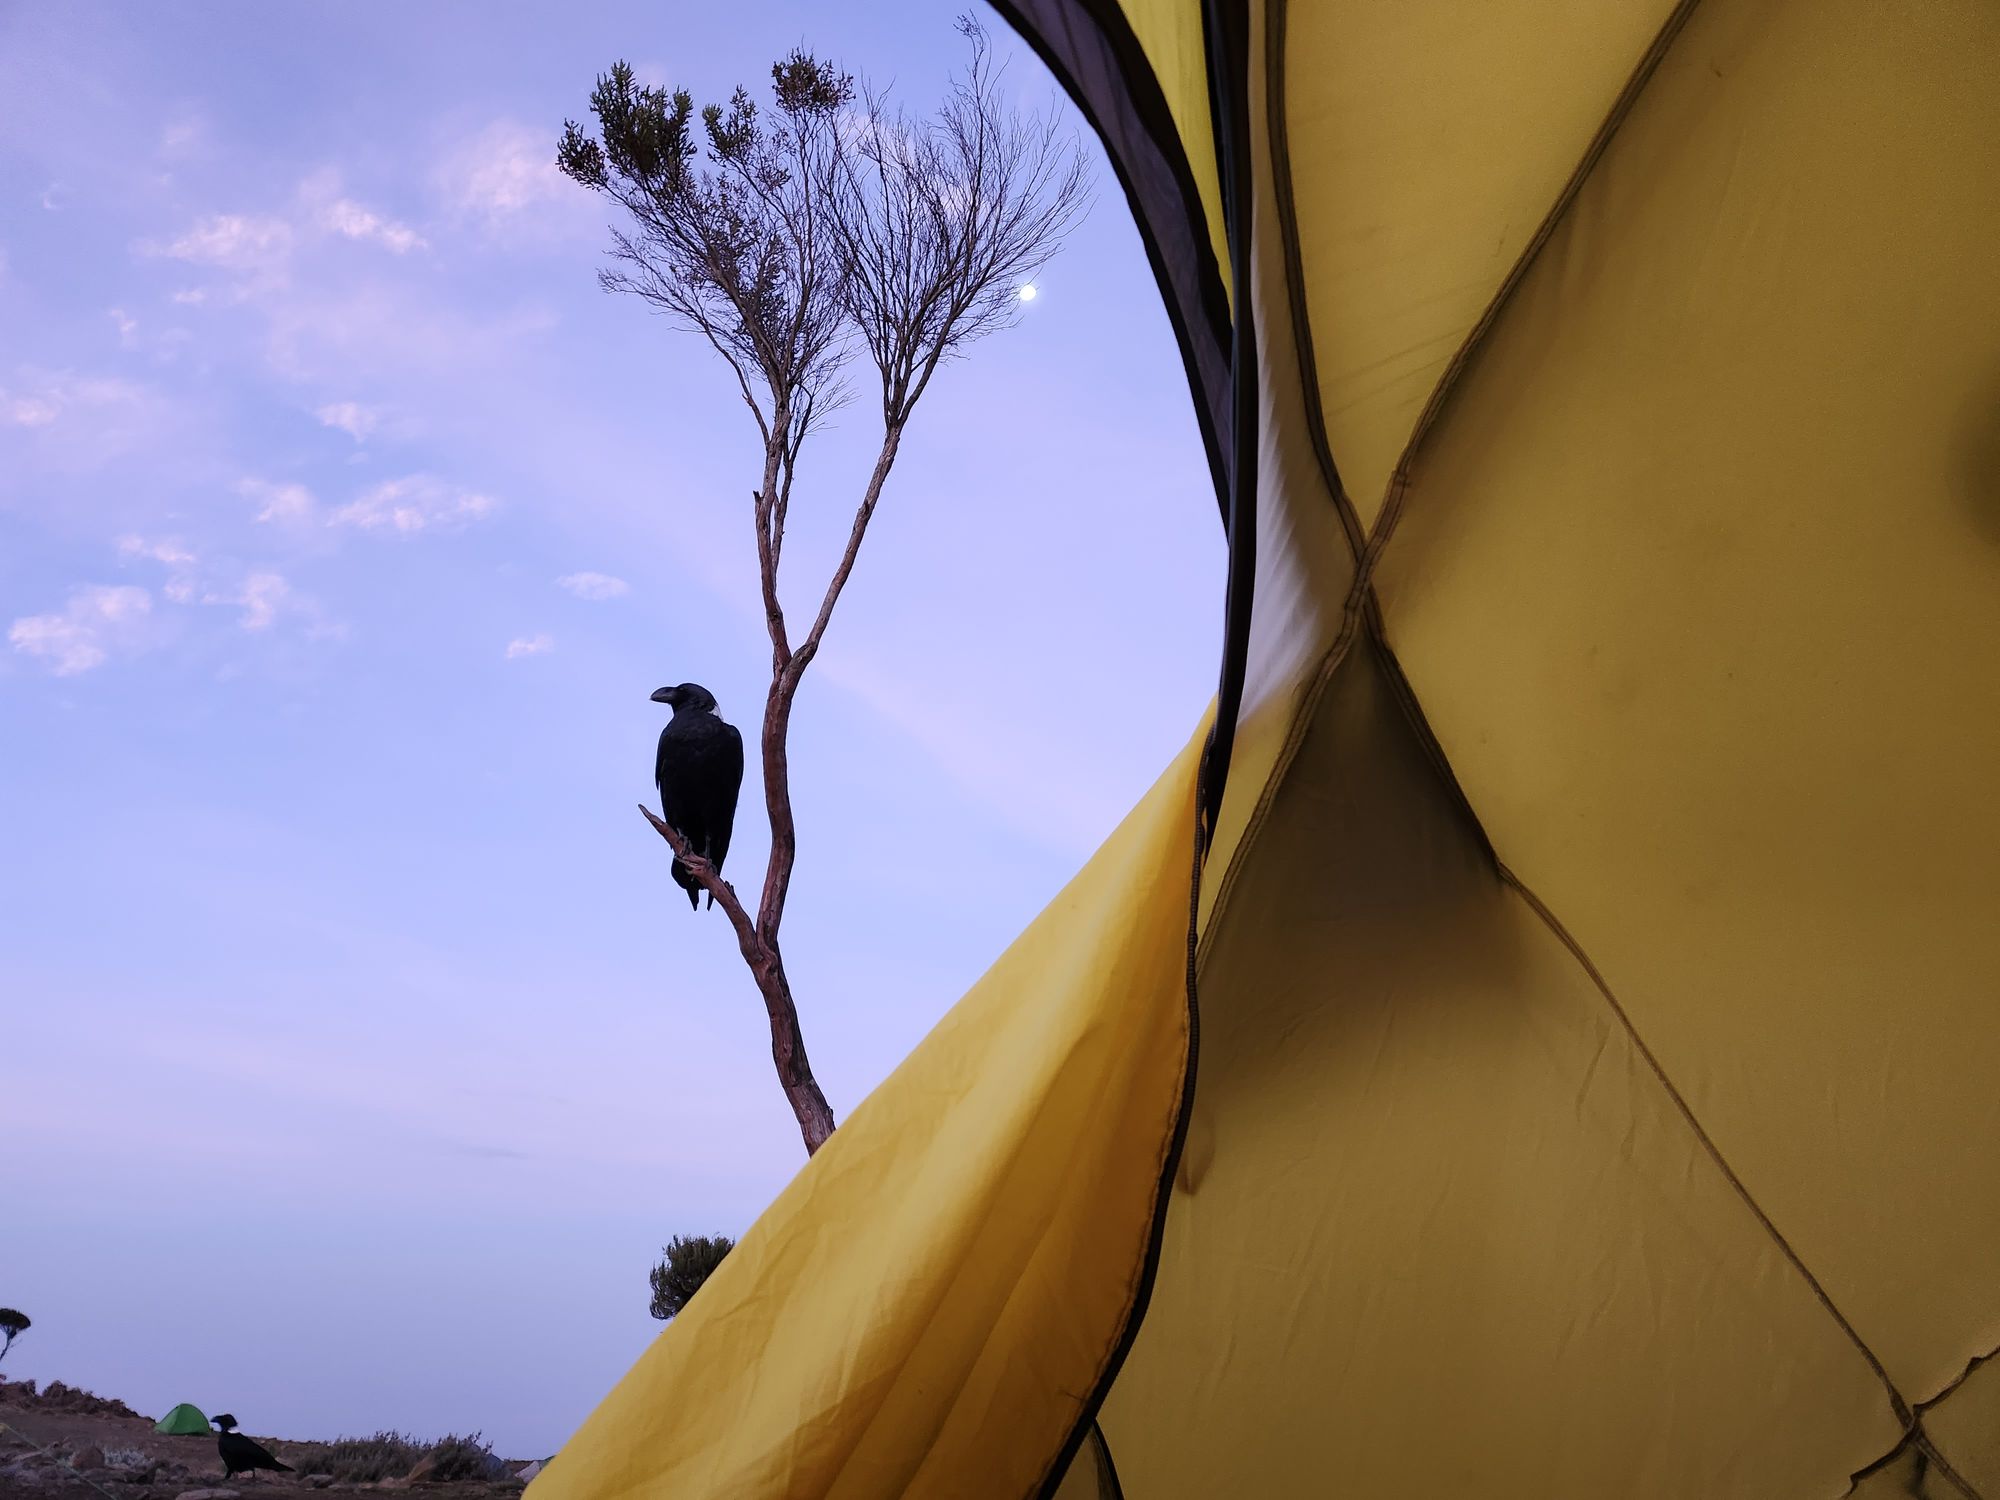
pixel 1595 961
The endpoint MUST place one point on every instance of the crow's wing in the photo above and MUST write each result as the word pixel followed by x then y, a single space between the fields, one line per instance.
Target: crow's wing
pixel 679 773
pixel 663 770
pixel 240 1452
pixel 700 769
pixel 728 784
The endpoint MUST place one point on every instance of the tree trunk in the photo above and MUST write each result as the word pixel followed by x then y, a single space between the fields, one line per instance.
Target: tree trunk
pixel 788 1049
pixel 767 969
pixel 767 963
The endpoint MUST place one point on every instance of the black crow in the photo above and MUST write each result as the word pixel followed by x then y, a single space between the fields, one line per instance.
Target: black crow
pixel 699 770
pixel 241 1455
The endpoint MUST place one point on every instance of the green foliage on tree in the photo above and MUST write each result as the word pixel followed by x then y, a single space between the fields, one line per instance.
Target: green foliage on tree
pixel 13 1324
pixel 689 1261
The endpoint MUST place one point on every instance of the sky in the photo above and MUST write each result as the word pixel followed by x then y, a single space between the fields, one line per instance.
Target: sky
pixel 358 1053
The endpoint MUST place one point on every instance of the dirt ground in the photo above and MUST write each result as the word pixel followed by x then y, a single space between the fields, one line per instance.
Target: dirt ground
pixel 46 1454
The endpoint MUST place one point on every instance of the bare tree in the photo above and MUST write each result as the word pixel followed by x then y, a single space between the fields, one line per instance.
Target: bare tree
pixel 794 242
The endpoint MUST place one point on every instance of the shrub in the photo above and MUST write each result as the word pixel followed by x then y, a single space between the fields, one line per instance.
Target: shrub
pixel 387 1455
pixel 396 1455
pixel 457 1457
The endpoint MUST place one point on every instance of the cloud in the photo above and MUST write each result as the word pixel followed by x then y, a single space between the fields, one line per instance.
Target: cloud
pixel 262 596
pixel 503 174
pixel 55 396
pixel 281 502
pixel 386 326
pixel 259 248
pixel 252 244
pixel 594 585
pixel 80 423
pixel 351 418
pixel 166 550
pixel 183 134
pixel 529 645
pixel 414 503
pixel 328 208
pixel 98 619
pixel 261 593
pixel 127 326
pixel 27 411
pixel 346 217
pixel 189 296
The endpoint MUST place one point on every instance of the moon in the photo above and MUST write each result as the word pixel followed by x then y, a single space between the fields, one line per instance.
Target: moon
pixel 1027 292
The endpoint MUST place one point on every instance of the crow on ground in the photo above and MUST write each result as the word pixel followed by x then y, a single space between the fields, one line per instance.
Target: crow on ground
pixel 242 1455
pixel 699 770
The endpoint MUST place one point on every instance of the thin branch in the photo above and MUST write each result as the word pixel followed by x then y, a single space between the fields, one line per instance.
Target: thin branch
pixel 720 891
pixel 809 647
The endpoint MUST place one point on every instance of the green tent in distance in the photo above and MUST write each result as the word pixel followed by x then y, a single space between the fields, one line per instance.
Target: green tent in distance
pixel 182 1420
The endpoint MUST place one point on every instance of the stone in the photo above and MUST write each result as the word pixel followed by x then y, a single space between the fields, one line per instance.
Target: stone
pixel 91 1457
pixel 208 1494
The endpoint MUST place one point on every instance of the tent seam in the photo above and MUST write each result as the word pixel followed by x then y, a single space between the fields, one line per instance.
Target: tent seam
pixel 1165 137
pixel 1139 1289
pixel 1905 1414
pixel 1362 604
pixel 1306 706
pixel 1303 716
pixel 1107 1469
pixel 1917 1435
pixel 1364 607
pixel 1420 724
pixel 1635 85
pixel 1971 1365
pixel 1226 46
pixel 1278 135
pixel 1910 1416
pixel 1914 1436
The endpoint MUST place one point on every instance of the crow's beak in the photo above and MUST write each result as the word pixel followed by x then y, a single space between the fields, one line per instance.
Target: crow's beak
pixel 664 695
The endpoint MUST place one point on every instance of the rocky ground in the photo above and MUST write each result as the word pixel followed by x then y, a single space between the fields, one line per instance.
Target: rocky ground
pixel 69 1443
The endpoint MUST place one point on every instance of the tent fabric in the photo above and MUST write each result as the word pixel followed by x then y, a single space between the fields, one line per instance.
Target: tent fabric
pixel 181 1421
pixel 967 1247
pixel 1586 1085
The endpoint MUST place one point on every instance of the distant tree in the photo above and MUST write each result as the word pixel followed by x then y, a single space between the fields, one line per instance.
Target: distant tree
pixel 793 242
pixel 689 1261
pixel 13 1324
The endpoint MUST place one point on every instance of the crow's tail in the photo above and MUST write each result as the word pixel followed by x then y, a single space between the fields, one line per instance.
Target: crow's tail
pixel 688 883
